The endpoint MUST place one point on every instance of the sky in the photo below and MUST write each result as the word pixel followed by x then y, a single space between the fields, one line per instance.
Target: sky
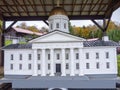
pixel 115 17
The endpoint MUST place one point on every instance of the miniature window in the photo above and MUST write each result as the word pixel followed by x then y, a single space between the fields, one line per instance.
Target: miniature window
pixel 57 25
pixel 30 56
pixel 107 65
pixel 48 56
pixel 97 55
pixel 87 55
pixel 20 56
pixel 58 56
pixel 77 66
pixel 29 66
pixel 87 65
pixel 11 66
pixel 20 66
pixel 97 65
pixel 107 54
pixel 77 55
pixel 51 26
pixel 67 56
pixel 48 66
pixel 38 66
pixel 64 25
pixel 67 66
pixel 11 56
pixel 38 56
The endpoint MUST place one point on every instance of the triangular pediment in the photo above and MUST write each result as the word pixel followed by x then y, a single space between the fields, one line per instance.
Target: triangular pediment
pixel 57 36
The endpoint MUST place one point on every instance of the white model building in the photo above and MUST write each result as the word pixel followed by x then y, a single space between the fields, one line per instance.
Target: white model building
pixel 61 55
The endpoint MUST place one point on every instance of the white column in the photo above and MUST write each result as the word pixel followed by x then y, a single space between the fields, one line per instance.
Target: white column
pixel 81 62
pixel 63 62
pixel 43 64
pixel 72 62
pixel 35 73
pixel 52 61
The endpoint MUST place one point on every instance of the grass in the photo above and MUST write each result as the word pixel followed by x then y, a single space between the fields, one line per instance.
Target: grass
pixel 8 42
pixel 118 60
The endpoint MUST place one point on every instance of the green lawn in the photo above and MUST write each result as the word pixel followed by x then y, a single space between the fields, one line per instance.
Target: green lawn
pixel 8 42
pixel 118 57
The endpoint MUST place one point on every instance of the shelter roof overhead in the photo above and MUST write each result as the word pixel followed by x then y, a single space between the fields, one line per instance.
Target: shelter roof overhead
pixel 40 9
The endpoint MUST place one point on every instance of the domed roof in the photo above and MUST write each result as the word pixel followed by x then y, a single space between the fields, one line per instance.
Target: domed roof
pixel 58 11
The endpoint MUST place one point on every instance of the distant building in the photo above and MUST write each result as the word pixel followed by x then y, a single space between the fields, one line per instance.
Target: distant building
pixel 61 60
pixel 20 34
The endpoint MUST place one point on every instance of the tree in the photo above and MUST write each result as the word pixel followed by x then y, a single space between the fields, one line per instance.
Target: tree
pixel 70 28
pixel 32 28
pixel 22 25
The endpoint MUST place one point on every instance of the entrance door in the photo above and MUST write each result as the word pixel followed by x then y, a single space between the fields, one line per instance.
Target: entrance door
pixel 58 68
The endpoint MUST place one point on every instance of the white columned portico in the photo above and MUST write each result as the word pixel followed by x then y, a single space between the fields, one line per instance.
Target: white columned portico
pixel 35 73
pixel 43 63
pixel 72 62
pixel 52 61
pixel 81 62
pixel 63 62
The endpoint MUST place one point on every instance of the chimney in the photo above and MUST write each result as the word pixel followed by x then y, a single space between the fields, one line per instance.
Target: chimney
pixel 105 38
pixel 15 41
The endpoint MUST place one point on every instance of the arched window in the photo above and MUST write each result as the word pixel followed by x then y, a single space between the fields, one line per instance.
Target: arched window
pixel 57 25
pixel 51 26
pixel 64 25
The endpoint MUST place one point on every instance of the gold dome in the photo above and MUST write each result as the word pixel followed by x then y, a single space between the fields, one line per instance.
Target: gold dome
pixel 58 11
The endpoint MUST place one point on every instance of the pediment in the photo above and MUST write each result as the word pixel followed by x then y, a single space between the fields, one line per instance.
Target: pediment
pixel 57 36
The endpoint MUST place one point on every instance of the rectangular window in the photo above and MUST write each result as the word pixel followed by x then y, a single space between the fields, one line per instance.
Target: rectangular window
pixel 48 56
pixel 20 56
pixel 11 56
pixel 58 56
pixel 87 65
pixel 97 65
pixel 77 55
pixel 97 55
pixel 38 66
pixel 20 66
pixel 48 66
pixel 29 66
pixel 77 66
pixel 107 55
pixel 67 66
pixel 67 56
pixel 87 55
pixel 11 66
pixel 107 65
pixel 57 25
pixel 38 56
pixel 29 56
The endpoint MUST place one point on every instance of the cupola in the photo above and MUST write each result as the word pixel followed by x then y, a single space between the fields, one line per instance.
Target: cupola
pixel 58 19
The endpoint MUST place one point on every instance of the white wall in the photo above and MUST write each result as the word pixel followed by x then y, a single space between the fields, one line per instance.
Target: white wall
pixel 92 60
pixel 16 62
pixel 102 60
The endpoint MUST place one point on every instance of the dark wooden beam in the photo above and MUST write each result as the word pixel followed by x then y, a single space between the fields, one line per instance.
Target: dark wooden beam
pixel 38 18
pixel 112 7
pixel 11 25
pixel 45 22
pixel 97 25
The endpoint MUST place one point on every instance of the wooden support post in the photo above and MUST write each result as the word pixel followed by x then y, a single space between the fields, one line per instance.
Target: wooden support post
pixel 2 41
